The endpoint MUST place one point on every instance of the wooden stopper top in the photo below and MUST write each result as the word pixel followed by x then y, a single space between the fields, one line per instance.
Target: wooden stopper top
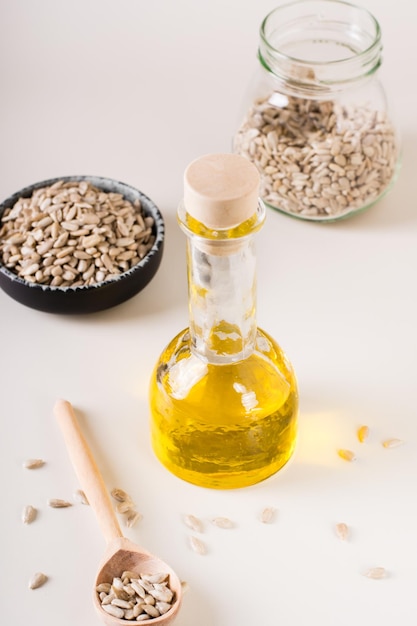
pixel 221 190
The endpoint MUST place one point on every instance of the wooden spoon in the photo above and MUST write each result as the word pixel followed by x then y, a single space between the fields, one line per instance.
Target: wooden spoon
pixel 121 554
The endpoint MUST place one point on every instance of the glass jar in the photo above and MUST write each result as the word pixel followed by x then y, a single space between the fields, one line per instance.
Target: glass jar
pixel 223 395
pixel 317 123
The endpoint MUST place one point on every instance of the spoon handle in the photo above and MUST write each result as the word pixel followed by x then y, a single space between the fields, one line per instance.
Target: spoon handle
pixel 87 471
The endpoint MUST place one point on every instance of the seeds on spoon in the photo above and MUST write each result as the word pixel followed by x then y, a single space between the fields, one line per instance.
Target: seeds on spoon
pixel 134 596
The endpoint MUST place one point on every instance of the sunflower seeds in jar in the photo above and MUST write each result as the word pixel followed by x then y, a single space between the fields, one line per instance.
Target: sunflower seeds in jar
pixel 317 124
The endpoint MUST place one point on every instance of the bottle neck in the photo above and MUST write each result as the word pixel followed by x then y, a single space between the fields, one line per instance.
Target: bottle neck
pixel 222 290
pixel 314 48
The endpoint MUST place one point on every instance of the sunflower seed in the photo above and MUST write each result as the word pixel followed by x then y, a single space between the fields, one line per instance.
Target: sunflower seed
pixel 80 496
pixel 33 463
pixel 363 433
pixel 392 443
pixel 56 503
pixel 115 611
pixel 132 517
pixel 377 573
pixel 194 523
pixel 197 545
pixel 342 531
pixel 163 607
pixel 267 515
pixel 222 522
pixel 120 495
pixel 29 514
pixel 154 579
pixel 151 610
pixel 37 580
pixel 346 455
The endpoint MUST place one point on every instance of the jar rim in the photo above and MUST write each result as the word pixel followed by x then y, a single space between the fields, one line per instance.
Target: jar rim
pixel 356 44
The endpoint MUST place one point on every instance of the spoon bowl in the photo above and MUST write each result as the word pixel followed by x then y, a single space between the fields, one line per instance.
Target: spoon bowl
pixel 121 554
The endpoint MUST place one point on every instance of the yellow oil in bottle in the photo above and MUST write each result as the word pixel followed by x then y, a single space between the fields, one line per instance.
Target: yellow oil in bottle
pixel 223 426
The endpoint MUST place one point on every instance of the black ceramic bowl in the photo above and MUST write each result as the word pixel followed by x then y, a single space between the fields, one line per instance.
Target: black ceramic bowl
pixel 100 296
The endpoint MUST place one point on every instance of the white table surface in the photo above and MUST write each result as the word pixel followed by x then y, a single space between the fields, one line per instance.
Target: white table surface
pixel 135 90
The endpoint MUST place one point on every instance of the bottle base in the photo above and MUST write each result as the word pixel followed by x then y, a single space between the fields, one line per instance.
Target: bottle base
pixel 227 479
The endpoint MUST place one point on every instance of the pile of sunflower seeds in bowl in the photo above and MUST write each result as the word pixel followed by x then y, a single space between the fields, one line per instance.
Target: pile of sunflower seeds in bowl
pixel 79 232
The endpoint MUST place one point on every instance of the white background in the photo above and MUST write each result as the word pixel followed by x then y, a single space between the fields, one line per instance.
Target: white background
pixel 135 90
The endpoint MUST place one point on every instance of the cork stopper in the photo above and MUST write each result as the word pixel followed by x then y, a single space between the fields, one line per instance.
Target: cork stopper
pixel 221 190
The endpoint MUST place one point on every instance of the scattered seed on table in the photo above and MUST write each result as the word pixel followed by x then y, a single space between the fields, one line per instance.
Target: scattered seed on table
pixel 132 517
pixel 222 522
pixel 80 496
pixel 198 546
pixel 37 580
pixel 267 515
pixel 33 463
pixel 363 433
pixel 392 443
pixel 57 503
pixel 376 573
pixel 120 495
pixel 346 455
pixel 29 514
pixel 123 507
pixel 194 523
pixel 342 531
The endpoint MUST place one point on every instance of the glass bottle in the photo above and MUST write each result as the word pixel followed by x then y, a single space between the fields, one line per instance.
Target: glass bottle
pixel 316 121
pixel 223 395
